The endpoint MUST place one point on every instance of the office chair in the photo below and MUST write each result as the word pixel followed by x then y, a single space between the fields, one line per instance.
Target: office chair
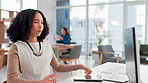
pixel 143 54
pixel 73 56
pixel 68 50
pixel 56 51
pixel 107 54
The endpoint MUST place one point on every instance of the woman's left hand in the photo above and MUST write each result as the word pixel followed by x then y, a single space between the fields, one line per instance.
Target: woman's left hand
pixel 87 69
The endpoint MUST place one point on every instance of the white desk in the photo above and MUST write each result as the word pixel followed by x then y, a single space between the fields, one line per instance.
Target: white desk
pixel 108 69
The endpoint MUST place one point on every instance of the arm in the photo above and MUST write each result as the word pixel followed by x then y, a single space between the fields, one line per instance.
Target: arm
pixel 13 67
pixel 59 41
pixel 66 68
pixel 66 39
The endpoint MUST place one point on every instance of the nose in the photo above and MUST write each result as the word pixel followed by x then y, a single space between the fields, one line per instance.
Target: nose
pixel 40 25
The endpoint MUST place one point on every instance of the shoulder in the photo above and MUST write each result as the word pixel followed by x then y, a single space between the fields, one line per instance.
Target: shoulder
pixel 67 35
pixel 46 42
pixel 13 46
pixel 19 42
pixel 13 50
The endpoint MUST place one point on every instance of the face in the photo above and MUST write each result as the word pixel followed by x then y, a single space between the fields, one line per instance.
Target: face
pixel 63 32
pixel 37 25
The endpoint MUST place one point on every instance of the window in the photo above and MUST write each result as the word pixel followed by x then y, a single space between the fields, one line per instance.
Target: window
pixel 10 4
pixel 103 1
pixel 106 21
pixel 70 2
pixel 78 26
pixel 105 25
pixel 136 18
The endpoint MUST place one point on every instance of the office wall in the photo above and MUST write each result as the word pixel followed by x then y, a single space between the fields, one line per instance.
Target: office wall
pixel 0 4
pixel 48 8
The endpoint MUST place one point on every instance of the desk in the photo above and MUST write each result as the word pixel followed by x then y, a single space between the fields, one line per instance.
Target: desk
pixel 63 47
pixel 109 68
pixel 2 54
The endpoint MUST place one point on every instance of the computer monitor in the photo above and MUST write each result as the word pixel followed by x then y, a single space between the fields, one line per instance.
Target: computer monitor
pixel 132 59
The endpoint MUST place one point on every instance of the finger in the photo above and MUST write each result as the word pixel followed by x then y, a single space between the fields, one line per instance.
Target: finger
pixel 51 80
pixel 52 75
pixel 88 72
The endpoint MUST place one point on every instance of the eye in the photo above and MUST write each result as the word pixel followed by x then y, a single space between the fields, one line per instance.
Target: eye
pixel 35 21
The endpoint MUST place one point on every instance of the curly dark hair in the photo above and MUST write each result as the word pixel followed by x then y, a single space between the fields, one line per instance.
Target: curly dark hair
pixel 21 25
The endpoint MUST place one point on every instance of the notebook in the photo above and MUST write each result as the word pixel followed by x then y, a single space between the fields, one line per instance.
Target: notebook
pixel 88 78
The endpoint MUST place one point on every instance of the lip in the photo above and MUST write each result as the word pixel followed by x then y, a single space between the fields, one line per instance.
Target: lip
pixel 39 30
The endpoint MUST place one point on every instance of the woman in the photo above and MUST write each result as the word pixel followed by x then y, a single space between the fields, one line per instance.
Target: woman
pixel 65 37
pixel 31 54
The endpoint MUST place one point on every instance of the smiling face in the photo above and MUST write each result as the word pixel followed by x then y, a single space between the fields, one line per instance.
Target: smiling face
pixel 37 25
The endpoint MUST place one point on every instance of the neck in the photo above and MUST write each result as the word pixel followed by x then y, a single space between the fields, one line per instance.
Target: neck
pixel 32 39
pixel 64 34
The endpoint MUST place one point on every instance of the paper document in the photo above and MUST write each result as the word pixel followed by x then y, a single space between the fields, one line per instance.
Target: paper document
pixel 116 77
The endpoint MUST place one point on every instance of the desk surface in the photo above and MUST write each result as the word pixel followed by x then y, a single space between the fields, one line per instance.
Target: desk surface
pixel 108 69
pixel 63 46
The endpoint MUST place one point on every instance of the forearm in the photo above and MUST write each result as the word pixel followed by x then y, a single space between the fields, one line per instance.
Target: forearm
pixel 63 68
pixel 67 68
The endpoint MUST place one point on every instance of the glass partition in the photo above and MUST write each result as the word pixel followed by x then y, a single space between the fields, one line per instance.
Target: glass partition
pixel 105 26
pixel 30 4
pixel 78 26
pixel 136 18
pixel 70 2
pixel 103 1
pixel 74 19
pixel 10 5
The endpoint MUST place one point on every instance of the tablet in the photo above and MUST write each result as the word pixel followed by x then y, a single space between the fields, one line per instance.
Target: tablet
pixel 88 78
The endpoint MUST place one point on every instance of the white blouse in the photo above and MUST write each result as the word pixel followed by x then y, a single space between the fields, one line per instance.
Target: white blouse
pixel 34 67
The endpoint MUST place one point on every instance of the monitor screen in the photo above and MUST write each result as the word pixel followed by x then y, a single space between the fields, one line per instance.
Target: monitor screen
pixel 132 55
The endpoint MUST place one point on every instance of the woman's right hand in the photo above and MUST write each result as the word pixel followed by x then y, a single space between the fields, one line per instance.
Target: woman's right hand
pixel 87 69
pixel 49 79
